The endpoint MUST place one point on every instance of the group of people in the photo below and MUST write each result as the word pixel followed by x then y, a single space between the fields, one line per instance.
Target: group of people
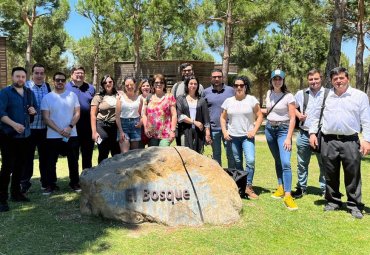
pixel 70 118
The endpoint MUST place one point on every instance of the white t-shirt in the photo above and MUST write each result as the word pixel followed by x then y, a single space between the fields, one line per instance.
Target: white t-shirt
pixel 240 114
pixel 130 109
pixel 281 110
pixel 61 108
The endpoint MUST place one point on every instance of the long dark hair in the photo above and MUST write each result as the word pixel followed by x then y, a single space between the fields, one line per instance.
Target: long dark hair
pixel 186 82
pixel 103 81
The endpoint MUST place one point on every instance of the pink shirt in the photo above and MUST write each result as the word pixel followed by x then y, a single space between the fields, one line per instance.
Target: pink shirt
pixel 159 116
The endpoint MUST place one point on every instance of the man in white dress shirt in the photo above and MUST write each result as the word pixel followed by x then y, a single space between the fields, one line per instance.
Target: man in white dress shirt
pixel 346 112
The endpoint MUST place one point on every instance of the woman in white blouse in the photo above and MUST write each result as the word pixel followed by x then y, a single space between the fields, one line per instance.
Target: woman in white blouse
pixel 128 116
pixel 280 110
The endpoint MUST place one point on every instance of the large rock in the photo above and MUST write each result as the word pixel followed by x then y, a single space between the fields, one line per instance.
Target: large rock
pixel 152 185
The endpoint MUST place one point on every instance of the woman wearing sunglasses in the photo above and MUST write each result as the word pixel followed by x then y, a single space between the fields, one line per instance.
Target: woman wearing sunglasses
pixel 240 120
pixel 159 114
pixel 103 118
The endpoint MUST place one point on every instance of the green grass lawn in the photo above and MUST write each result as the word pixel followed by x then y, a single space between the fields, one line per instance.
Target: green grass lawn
pixel 54 225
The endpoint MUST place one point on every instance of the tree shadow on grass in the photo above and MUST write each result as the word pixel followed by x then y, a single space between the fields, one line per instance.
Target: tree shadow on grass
pixel 54 225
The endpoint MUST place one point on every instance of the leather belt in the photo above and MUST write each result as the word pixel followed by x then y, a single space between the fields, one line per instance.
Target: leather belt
pixel 353 137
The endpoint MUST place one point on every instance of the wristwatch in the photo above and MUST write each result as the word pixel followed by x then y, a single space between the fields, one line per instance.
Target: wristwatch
pixel 70 125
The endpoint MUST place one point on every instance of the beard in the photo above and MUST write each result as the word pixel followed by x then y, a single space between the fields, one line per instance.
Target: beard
pixel 17 85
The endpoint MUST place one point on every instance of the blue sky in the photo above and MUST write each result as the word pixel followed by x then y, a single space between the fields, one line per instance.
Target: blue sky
pixel 78 26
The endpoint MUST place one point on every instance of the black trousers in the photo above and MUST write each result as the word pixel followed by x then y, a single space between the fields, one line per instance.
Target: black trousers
pixel 37 140
pixel 13 155
pixel 108 134
pixel 86 146
pixel 57 147
pixel 335 152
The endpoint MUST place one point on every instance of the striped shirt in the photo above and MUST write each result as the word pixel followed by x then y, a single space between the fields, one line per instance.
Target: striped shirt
pixel 40 92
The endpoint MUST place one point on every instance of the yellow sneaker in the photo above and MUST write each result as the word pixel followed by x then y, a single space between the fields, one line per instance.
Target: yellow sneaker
pixel 279 193
pixel 289 203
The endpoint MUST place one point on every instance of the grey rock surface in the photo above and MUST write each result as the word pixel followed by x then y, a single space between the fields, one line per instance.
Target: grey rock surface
pixel 152 185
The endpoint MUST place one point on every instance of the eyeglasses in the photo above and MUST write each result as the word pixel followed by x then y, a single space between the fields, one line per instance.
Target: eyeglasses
pixel 239 85
pixel 107 82
pixel 60 80
pixel 214 77
pixel 158 83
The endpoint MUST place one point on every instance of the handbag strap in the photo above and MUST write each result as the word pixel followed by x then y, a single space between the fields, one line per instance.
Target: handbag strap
pixel 323 106
pixel 275 104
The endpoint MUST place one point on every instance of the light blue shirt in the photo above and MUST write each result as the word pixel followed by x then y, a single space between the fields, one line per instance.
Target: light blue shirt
pixel 345 114
pixel 314 101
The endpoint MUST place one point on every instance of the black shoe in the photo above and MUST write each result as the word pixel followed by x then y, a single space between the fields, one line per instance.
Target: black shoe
pixel 75 187
pixel 331 207
pixel 55 187
pixel 19 198
pixel 47 191
pixel 357 214
pixel 25 187
pixel 4 207
pixel 299 192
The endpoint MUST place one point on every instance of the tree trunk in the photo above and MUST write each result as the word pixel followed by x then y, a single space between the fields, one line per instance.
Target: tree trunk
pixel 137 42
pixel 227 42
pixel 367 85
pixel 301 84
pixel 96 63
pixel 336 35
pixel 359 65
pixel 29 51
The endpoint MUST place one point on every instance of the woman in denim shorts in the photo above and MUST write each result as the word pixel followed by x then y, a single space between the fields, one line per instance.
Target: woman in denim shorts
pixel 128 116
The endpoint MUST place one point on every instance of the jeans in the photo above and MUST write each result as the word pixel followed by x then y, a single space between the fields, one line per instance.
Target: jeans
pixel 244 145
pixel 216 148
pixel 275 136
pixel 303 160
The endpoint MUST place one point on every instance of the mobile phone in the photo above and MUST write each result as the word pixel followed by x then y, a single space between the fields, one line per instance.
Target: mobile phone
pixel 99 140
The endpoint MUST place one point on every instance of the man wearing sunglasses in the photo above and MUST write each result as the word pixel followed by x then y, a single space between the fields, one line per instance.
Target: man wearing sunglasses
pixel 61 111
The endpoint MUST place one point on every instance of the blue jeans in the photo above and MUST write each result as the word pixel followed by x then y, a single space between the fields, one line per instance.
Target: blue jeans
pixel 275 136
pixel 217 137
pixel 303 159
pixel 244 145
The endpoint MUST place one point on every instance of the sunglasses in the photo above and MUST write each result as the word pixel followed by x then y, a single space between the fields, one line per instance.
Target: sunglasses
pixel 239 85
pixel 107 82
pixel 60 80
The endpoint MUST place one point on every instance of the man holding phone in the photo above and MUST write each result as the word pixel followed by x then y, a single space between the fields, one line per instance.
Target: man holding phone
pixel 16 107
